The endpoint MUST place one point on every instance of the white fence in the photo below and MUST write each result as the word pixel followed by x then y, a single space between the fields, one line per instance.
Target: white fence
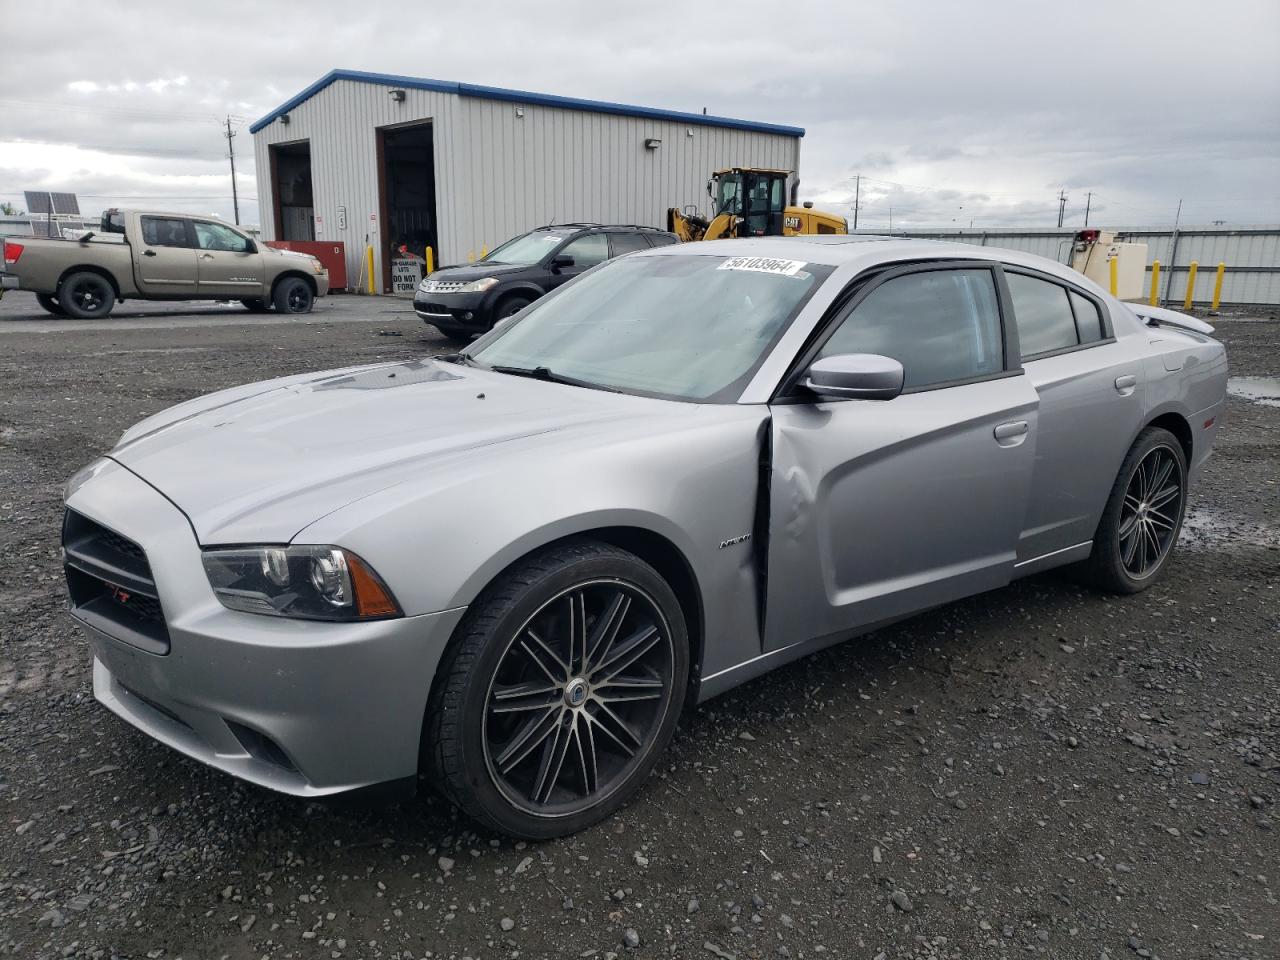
pixel 1251 255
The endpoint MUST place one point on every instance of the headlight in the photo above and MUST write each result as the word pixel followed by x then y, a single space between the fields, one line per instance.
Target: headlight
pixel 479 286
pixel 317 266
pixel 308 583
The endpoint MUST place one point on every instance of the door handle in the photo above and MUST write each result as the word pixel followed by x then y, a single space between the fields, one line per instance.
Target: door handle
pixel 1012 433
pixel 206 256
pixel 1125 384
pixel 148 253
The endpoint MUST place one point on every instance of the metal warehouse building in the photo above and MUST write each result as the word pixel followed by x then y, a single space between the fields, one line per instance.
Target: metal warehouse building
pixel 372 159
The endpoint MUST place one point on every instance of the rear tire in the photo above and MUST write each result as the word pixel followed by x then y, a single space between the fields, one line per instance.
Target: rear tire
pixel 86 296
pixel 293 295
pixel 1140 524
pixel 256 305
pixel 50 304
pixel 558 692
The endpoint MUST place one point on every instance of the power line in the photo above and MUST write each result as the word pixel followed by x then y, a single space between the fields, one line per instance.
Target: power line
pixel 143 114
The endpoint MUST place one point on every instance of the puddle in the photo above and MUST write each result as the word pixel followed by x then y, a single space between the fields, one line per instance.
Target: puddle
pixel 1264 390
pixel 1205 528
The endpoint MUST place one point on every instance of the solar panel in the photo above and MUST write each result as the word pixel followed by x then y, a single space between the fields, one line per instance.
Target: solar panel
pixel 38 201
pixel 65 203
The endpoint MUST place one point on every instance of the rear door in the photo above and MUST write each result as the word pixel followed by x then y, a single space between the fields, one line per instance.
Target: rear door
pixel 883 508
pixel 163 259
pixel 229 264
pixel 586 251
pixel 1091 406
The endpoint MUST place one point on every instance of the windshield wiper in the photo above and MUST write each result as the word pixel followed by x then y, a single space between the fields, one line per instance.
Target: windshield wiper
pixel 549 375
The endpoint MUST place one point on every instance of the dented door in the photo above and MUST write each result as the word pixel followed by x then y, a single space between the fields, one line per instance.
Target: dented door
pixel 883 508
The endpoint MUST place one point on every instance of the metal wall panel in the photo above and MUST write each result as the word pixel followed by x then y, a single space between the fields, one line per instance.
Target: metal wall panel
pixel 1252 256
pixel 499 174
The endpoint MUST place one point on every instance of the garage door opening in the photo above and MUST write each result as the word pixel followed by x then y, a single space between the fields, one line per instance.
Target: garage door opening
pixel 407 194
pixel 291 181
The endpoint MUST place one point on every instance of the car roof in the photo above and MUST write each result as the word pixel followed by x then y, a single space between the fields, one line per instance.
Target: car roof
pixel 563 227
pixel 865 250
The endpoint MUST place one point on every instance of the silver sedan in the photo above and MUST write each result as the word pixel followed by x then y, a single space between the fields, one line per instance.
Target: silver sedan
pixel 507 571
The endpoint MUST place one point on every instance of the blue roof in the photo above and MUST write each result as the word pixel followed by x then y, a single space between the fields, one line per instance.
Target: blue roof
pixel 520 96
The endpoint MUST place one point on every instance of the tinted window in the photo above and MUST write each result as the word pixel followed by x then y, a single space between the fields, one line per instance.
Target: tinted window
pixel 1088 319
pixel 587 251
pixel 164 232
pixel 661 239
pixel 214 236
pixel 626 243
pixel 941 325
pixel 1044 315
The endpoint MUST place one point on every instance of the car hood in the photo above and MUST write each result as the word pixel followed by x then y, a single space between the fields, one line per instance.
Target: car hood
pixel 260 463
pixel 477 271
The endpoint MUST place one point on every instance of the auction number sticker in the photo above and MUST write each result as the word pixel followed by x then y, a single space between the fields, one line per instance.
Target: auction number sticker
pixel 785 268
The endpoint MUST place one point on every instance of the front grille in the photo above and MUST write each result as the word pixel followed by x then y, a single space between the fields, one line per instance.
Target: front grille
pixel 110 584
pixel 442 286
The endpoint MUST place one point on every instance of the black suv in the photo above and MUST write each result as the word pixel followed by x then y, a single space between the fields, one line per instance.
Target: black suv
pixel 468 300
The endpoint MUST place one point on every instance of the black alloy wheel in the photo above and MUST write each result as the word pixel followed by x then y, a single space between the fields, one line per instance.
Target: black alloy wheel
pixel 559 691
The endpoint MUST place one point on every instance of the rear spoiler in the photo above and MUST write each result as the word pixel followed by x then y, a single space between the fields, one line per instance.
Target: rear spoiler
pixel 1160 317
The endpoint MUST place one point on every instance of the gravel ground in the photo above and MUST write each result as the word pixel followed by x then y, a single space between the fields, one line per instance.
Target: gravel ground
pixel 1040 770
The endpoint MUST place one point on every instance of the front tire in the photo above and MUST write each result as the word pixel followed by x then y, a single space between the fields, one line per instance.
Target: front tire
pixel 509 307
pixel 293 295
pixel 50 304
pixel 558 693
pixel 86 296
pixel 1143 516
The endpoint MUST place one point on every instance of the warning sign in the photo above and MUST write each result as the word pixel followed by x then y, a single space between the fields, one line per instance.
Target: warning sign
pixel 405 275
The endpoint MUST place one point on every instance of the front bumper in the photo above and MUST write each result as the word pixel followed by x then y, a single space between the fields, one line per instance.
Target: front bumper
pixel 455 311
pixel 322 283
pixel 306 708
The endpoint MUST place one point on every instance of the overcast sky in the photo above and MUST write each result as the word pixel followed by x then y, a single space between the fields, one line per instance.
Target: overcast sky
pixel 951 112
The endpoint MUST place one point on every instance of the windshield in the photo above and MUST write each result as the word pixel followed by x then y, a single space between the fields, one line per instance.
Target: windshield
pixel 685 327
pixel 526 250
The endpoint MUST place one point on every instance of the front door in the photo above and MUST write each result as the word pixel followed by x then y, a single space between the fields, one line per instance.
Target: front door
pixel 883 508
pixel 229 264
pixel 164 263
pixel 585 251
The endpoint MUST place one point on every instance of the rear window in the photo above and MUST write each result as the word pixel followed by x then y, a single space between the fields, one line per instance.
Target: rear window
pixel 1044 317
pixel 164 232
pixel 661 239
pixel 626 243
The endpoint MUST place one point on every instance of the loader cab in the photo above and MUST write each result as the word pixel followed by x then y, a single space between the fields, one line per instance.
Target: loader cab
pixel 758 197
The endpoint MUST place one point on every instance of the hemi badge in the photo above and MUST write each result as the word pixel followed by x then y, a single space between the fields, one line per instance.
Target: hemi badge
pixel 1209 423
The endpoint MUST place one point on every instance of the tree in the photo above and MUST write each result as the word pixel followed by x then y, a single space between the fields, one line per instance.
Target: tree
pixel 9 210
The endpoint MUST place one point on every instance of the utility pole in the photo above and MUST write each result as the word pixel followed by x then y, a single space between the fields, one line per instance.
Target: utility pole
pixel 1062 205
pixel 235 196
pixel 891 221
pixel 1088 201
pixel 857 193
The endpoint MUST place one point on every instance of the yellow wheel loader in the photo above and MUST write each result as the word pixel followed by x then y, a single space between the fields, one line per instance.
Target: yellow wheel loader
pixel 751 202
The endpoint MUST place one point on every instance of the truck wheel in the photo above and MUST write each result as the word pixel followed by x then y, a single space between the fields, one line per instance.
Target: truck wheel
pixel 86 296
pixel 50 303
pixel 256 305
pixel 293 295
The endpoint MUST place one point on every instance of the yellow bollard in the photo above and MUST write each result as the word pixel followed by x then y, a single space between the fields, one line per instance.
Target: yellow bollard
pixel 1191 284
pixel 471 256
pixel 1115 276
pixel 1155 283
pixel 1217 287
pixel 431 262
pixel 368 256
pixel 484 251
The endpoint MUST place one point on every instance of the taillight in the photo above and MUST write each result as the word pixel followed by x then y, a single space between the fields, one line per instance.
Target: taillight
pixel 12 251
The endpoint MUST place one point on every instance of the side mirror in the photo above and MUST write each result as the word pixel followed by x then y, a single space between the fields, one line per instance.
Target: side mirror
pixel 856 376
pixel 250 247
pixel 561 261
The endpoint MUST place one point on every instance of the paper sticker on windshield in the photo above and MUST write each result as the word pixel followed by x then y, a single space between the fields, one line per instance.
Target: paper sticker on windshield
pixel 551 239
pixel 785 268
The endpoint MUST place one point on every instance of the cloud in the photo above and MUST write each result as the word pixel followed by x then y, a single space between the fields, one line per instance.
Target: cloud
pixel 993 113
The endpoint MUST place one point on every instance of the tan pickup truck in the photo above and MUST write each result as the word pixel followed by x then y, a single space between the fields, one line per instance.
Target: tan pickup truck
pixel 144 255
